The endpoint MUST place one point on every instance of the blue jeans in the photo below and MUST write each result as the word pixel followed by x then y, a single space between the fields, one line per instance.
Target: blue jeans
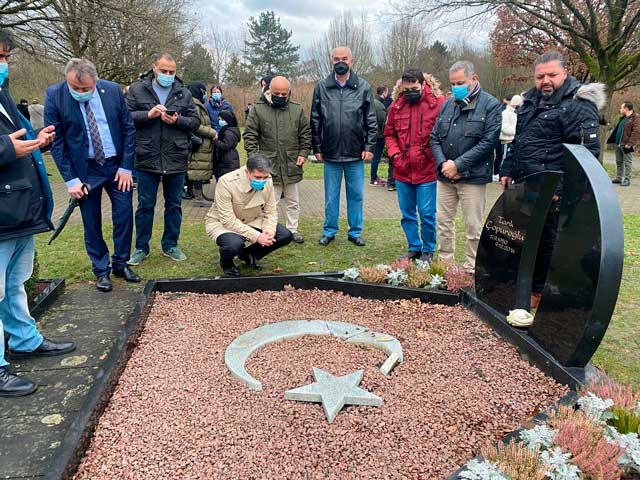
pixel 172 187
pixel 375 161
pixel 16 265
pixel 418 201
pixel 354 186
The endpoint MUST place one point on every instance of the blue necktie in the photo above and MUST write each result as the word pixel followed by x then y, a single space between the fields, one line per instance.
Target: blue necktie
pixel 98 151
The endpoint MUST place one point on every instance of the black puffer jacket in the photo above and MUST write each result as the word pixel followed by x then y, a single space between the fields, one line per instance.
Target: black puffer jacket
pixel 160 147
pixel 227 157
pixel 343 120
pixel 467 134
pixel 569 116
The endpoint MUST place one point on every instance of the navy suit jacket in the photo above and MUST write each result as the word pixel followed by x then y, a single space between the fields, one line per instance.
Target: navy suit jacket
pixel 70 148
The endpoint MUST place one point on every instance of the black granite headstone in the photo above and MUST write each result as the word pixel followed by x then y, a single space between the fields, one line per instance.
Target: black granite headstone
pixel 583 281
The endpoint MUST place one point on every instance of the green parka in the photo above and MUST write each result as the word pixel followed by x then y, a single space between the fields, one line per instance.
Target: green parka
pixel 282 135
pixel 200 166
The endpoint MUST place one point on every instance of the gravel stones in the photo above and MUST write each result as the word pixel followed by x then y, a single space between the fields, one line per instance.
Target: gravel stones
pixel 179 413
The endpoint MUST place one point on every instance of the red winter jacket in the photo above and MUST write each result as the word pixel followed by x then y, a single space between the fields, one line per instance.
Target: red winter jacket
pixel 407 134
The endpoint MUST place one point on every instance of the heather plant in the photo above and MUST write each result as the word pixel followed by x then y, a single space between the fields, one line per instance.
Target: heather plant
pixel 625 421
pixel 401 264
pixel 438 268
pixel 417 277
pixel 373 275
pixel 622 395
pixel 591 452
pixel 457 278
pixel 516 461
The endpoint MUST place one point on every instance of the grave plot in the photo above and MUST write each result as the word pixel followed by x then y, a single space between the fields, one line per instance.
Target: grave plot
pixel 178 411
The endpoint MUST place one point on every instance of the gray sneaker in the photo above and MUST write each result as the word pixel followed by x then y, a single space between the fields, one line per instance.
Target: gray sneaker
pixel 137 257
pixel 174 253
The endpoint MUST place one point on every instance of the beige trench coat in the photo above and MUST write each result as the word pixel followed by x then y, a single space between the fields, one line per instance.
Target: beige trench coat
pixel 240 209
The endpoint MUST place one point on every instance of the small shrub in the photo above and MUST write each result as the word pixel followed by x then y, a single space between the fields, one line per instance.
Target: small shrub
pixel 622 395
pixel 516 461
pixel 624 420
pixel 457 278
pixel 438 268
pixel 417 277
pixel 373 275
pixel 401 264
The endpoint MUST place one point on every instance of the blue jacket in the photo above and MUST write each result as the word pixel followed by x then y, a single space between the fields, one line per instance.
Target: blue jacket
pixel 467 135
pixel 26 201
pixel 70 149
pixel 214 108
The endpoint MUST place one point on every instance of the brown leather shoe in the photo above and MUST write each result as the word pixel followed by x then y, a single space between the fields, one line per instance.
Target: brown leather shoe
pixel 535 299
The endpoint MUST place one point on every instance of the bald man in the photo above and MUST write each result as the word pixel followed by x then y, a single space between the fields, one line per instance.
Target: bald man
pixel 278 128
pixel 344 134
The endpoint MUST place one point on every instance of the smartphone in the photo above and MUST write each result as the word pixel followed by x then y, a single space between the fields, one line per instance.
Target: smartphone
pixel 170 112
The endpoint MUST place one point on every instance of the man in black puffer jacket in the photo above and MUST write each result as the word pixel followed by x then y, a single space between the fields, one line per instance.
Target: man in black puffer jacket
pixel 557 110
pixel 343 131
pixel 165 115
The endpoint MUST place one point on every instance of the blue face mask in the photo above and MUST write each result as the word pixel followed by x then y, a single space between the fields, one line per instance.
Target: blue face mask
pixel 165 80
pixel 4 72
pixel 222 123
pixel 217 96
pixel 258 184
pixel 81 97
pixel 204 98
pixel 460 92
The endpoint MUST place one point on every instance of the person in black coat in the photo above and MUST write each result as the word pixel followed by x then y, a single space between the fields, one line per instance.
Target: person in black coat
pixel 226 156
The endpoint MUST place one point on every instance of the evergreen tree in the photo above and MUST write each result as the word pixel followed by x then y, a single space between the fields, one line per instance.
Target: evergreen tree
pixel 197 66
pixel 239 73
pixel 269 49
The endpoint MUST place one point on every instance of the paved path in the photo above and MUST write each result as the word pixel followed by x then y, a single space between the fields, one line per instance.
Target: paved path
pixel 379 203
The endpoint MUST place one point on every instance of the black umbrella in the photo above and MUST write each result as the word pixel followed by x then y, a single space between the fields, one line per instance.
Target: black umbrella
pixel 64 218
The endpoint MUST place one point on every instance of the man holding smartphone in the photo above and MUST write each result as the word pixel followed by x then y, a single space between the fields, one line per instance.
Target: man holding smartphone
pixel 164 115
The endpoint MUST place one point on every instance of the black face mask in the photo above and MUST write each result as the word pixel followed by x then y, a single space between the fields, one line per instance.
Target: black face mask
pixel 413 96
pixel 341 68
pixel 278 102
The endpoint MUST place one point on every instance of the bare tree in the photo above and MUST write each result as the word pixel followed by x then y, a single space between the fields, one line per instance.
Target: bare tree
pixel 344 31
pixel 603 33
pixel 222 46
pixel 16 15
pixel 403 45
pixel 119 36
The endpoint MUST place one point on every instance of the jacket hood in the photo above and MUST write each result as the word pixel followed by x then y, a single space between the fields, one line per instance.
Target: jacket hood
pixel 427 96
pixel 432 82
pixel 593 92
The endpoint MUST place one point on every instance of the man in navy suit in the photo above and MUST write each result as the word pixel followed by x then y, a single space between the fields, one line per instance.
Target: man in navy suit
pixel 95 145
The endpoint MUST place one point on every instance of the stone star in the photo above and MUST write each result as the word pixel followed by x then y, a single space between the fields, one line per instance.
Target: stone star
pixel 334 392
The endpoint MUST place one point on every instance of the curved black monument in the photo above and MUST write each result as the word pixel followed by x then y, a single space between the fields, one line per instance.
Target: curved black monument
pixel 584 277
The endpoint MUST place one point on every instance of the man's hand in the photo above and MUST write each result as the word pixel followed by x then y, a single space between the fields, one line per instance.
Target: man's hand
pixel 266 239
pixel 77 191
pixel 367 156
pixel 505 182
pixel 125 181
pixel 23 147
pixel 450 170
pixel 170 119
pixel 157 111
pixel 300 161
pixel 46 135
pixel 319 157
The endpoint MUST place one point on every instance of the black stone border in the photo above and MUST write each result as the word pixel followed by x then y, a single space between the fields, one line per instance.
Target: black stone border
pixel 46 298
pixel 78 437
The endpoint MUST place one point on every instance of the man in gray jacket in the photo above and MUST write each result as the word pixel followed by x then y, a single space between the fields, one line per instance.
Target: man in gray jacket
pixel 343 129
pixel 165 115
pixel 462 142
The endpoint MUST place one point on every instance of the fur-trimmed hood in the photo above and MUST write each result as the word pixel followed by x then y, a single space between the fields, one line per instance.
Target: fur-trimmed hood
pixel 593 92
pixel 431 81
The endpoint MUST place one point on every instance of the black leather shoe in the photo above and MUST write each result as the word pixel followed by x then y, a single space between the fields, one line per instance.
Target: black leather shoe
pixel 324 241
pixel 104 283
pixel 250 261
pixel 358 241
pixel 128 274
pixel 232 271
pixel 15 386
pixel 616 180
pixel 47 348
pixel 427 257
pixel 411 255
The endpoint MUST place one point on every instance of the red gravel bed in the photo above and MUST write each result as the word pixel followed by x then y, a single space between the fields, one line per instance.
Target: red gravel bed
pixel 178 413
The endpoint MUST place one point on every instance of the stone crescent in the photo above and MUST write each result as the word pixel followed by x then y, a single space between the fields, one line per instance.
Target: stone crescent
pixel 243 346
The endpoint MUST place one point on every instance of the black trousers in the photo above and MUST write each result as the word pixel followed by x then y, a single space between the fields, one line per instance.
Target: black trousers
pixel 232 245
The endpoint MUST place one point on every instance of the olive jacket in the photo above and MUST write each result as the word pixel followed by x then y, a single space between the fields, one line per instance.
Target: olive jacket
pixel 200 167
pixel 282 135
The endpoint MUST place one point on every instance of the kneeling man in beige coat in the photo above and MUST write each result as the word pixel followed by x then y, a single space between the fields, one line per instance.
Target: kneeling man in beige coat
pixel 243 220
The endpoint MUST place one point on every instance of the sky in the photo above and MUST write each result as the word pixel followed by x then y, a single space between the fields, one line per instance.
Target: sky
pixel 309 19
